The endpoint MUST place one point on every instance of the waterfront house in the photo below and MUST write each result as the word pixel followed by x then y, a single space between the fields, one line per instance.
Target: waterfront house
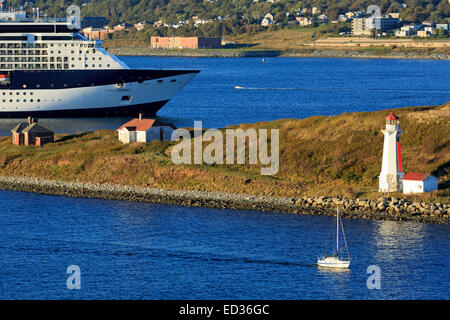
pixel 303 21
pixel 419 183
pixel 97 33
pixel 31 133
pixel 269 16
pixel 185 42
pixel 444 26
pixel 140 26
pixel 423 33
pixel 145 130
pixel 266 22
pixel 123 26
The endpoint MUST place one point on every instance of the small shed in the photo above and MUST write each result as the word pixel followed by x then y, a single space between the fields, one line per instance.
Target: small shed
pixel 31 133
pixel 419 183
pixel 145 130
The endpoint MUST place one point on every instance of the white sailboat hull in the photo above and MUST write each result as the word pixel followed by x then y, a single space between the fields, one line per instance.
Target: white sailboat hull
pixel 333 262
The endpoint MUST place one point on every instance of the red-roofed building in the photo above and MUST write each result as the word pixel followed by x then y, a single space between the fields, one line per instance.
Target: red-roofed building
pixel 419 183
pixel 145 130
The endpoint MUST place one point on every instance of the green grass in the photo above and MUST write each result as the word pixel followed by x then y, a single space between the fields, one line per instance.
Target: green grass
pixel 339 155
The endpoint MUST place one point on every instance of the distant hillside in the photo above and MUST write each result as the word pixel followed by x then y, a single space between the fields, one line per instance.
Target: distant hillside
pixel 336 155
pixel 133 11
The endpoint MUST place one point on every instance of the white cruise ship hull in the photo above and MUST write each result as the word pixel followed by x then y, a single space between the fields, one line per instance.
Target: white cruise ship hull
pixel 70 98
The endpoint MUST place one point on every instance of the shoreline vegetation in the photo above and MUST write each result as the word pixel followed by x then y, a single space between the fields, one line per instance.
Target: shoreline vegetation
pixel 266 53
pixel 297 42
pixel 325 161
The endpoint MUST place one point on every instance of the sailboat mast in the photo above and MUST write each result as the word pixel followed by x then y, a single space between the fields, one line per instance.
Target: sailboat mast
pixel 337 233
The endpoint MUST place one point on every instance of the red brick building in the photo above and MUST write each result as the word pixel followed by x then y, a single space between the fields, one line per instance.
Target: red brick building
pixel 97 33
pixel 185 43
pixel 31 133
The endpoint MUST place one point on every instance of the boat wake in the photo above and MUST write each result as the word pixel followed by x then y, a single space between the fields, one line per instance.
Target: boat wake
pixel 344 89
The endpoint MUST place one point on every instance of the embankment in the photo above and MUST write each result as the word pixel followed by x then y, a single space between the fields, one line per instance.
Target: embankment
pixel 213 53
pixel 380 209
pixel 303 53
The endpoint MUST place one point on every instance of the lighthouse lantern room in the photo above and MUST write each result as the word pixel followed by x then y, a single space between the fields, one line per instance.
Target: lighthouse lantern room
pixel 391 175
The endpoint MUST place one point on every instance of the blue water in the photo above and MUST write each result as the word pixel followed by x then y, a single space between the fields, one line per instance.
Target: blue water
pixel 297 87
pixel 145 251
pixel 281 88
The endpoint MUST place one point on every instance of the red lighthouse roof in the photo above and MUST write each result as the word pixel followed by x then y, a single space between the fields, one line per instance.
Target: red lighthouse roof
pixel 392 116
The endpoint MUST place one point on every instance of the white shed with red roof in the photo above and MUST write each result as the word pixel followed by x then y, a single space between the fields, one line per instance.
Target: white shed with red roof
pixel 419 183
pixel 145 130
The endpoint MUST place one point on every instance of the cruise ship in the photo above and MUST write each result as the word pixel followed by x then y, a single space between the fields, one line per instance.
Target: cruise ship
pixel 48 69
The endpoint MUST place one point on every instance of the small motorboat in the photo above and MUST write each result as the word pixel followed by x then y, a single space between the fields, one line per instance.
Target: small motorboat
pixel 238 87
pixel 334 261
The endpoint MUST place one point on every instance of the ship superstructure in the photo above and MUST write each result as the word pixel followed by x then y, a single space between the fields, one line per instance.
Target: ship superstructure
pixel 48 69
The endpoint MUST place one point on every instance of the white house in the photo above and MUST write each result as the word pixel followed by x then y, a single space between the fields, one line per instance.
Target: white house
pixel 266 22
pixel 419 183
pixel 145 130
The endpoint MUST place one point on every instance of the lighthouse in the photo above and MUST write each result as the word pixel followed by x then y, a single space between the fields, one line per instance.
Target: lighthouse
pixel 391 174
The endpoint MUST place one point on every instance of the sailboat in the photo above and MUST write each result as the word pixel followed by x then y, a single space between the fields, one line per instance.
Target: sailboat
pixel 334 261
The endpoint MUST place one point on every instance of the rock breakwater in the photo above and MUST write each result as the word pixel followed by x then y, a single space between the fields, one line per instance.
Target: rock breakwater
pixel 379 209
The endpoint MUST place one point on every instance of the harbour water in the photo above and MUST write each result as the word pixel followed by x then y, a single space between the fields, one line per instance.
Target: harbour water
pixel 129 250
pixel 146 251
pixel 282 88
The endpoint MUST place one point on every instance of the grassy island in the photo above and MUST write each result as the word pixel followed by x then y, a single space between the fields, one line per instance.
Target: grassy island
pixel 336 156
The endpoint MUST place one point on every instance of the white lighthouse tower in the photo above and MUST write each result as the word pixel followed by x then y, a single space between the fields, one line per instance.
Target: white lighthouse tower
pixel 391 168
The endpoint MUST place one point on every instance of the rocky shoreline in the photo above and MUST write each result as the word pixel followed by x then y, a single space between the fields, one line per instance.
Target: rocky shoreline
pixel 380 209
pixel 212 53
pixel 315 53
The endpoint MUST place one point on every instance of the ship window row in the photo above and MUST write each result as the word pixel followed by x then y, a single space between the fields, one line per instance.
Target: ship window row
pixel 34 59
pixel 43 66
pixel 19 45
pixel 35 52
pixel 18 93
pixel 18 100
pixel 23 52
pixel 34 66
pixel 23 45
